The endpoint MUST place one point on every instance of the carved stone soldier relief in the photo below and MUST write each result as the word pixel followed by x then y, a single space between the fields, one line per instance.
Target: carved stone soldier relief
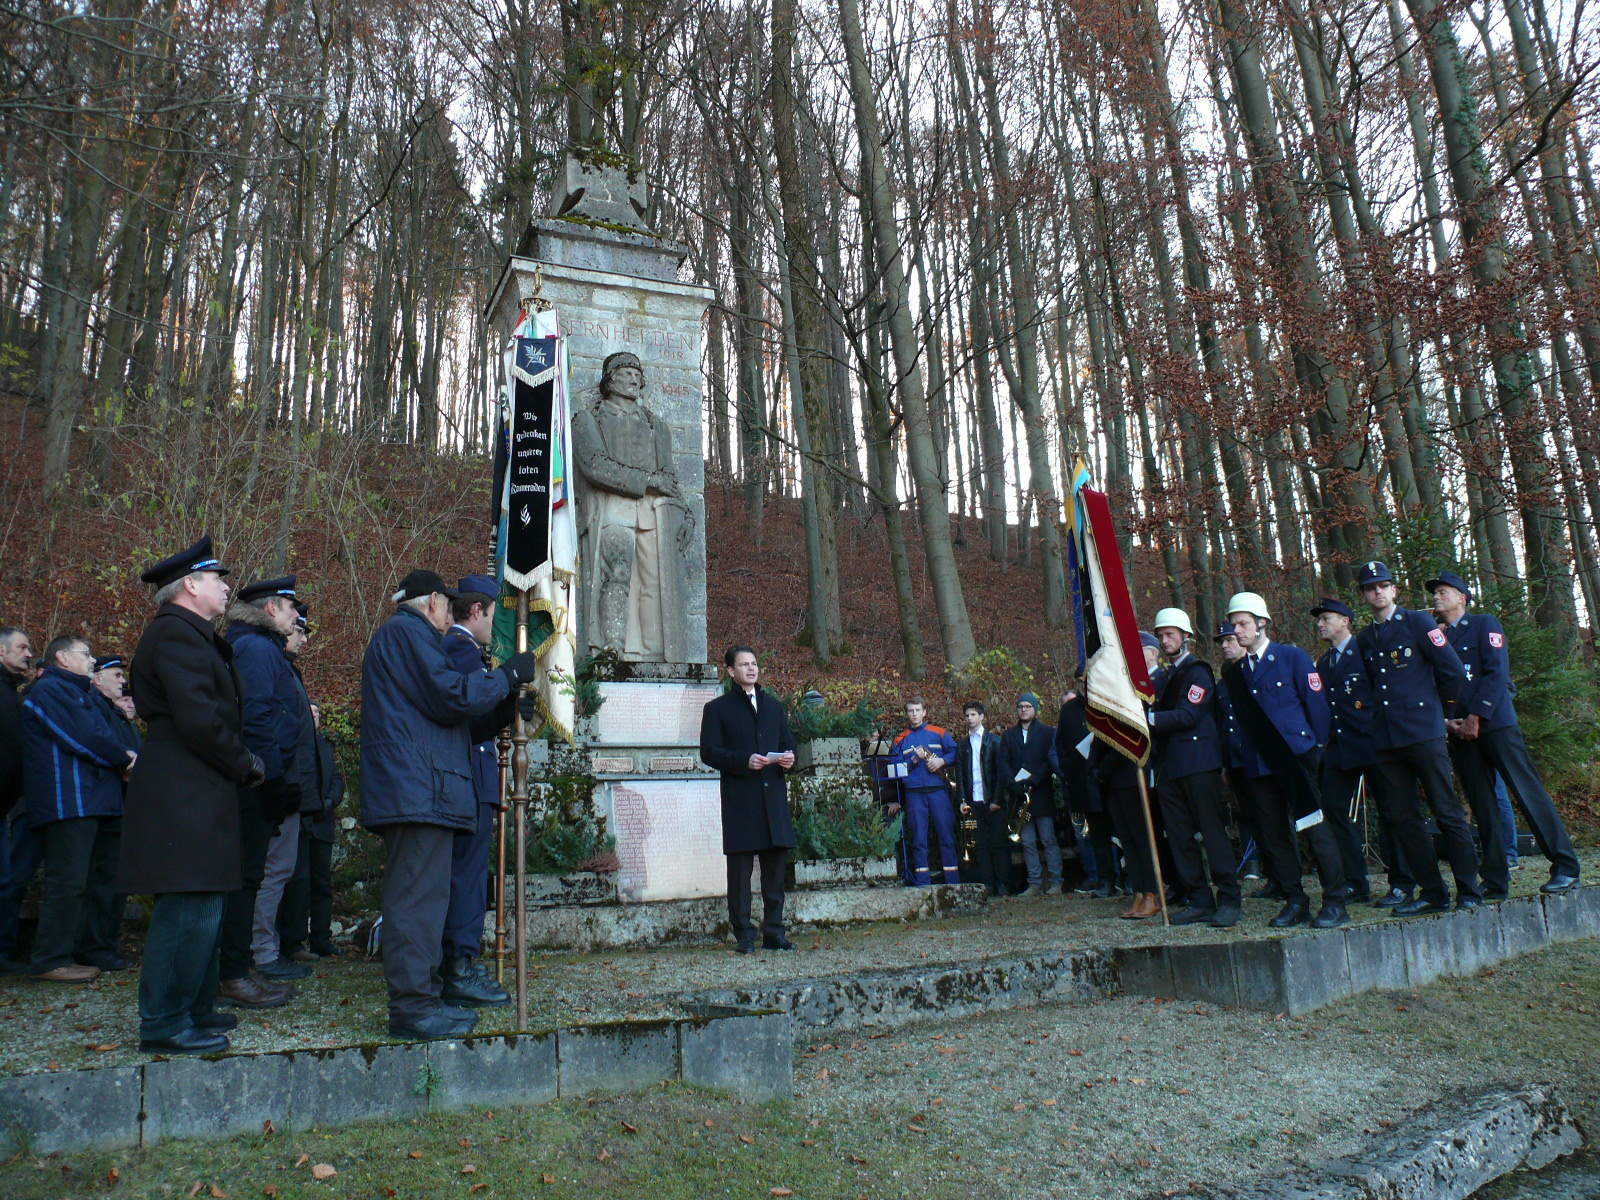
pixel 634 526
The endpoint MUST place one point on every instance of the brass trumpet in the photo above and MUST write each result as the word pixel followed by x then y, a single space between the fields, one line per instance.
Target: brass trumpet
pixel 1023 815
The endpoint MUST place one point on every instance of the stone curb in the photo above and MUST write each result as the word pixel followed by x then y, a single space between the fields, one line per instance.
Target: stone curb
pixel 1303 972
pixel 895 997
pixel 1447 1152
pixel 704 920
pixel 740 1050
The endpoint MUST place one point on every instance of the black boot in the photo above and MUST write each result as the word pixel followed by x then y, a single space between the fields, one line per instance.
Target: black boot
pixel 468 987
pixel 1295 912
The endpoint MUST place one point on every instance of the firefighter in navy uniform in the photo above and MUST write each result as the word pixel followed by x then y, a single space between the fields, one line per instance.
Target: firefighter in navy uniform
pixel 1485 737
pixel 1415 677
pixel 1350 756
pixel 1231 744
pixel 1188 771
pixel 1282 711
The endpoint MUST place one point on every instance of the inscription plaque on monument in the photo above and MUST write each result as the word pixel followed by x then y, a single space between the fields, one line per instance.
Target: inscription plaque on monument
pixel 669 839
pixel 651 714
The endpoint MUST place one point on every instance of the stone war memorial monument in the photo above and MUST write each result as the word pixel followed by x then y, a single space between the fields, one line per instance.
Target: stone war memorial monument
pixel 633 337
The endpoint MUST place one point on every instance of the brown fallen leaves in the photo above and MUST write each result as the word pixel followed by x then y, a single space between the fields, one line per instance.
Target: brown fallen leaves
pixel 747 1139
pixel 547 1178
pixel 322 1171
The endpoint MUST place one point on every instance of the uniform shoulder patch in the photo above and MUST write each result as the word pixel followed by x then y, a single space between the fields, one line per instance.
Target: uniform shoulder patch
pixel 1497 640
pixel 1196 693
pixel 936 730
pixel 1436 636
pixel 1315 680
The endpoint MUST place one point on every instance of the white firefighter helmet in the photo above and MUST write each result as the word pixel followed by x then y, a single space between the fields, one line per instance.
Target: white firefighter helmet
pixel 1249 602
pixel 1173 618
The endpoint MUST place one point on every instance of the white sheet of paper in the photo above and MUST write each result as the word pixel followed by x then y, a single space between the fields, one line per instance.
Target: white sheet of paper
pixel 1023 775
pixel 1086 745
pixel 897 770
pixel 1307 821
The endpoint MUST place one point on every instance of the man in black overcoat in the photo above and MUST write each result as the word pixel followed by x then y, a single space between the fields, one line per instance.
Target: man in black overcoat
pixel 744 734
pixel 180 824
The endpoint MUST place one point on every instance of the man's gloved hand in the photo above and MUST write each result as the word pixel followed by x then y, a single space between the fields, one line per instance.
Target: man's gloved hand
pixel 528 707
pixel 520 668
pixel 256 775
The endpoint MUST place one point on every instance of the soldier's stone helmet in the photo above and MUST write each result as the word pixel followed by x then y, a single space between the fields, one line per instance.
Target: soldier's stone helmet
pixel 614 363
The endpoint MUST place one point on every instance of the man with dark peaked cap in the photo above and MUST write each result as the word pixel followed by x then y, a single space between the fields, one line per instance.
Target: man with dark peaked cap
pixel 416 789
pixel 465 644
pixel 1350 756
pixel 1485 737
pixel 180 825
pixel 259 622
pixel 1415 677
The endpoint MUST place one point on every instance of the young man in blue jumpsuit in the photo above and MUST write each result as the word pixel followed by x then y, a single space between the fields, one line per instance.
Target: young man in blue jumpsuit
pixel 922 751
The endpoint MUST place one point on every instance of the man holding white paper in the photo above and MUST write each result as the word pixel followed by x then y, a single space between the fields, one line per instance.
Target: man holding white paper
pixel 744 734
pixel 1027 765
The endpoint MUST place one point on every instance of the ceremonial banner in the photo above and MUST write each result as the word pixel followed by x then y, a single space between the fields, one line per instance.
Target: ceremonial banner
pixel 1119 688
pixel 536 531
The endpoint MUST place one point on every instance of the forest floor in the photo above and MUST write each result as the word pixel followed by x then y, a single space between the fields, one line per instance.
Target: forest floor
pixel 1115 1098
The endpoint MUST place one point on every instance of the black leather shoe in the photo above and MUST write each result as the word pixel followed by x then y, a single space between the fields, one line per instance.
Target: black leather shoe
pixel 1226 916
pixel 745 948
pixel 1331 917
pixel 1295 912
pixel 778 943
pixel 1419 906
pixel 1493 894
pixel 1191 915
pixel 214 1020
pixel 283 968
pixel 12 967
pixel 1359 896
pixel 1468 903
pixel 186 1041
pixel 1559 884
pixel 434 1025
pixel 1393 898
pixel 468 987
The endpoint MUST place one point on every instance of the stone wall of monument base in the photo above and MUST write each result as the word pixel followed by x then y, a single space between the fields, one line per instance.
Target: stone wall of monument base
pixel 747 1053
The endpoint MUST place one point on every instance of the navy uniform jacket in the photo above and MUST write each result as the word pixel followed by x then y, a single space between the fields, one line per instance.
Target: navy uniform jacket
pixel 72 758
pixel 1185 731
pixel 1349 694
pixel 1286 685
pixel 271 695
pixel 1414 675
pixel 1479 640
pixel 938 742
pixel 466 656
pixel 1229 736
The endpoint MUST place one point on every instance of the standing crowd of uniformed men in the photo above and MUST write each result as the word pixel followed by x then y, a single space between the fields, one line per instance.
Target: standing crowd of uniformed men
pixel 1398 721
pixel 223 810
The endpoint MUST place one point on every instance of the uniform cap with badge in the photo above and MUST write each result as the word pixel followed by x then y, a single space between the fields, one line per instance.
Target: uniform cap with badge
pixel 198 557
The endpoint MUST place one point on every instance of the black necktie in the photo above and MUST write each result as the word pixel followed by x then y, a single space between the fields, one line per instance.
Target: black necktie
pixel 1254 658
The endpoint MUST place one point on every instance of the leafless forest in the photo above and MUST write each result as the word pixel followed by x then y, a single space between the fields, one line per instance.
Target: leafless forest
pixel 1305 283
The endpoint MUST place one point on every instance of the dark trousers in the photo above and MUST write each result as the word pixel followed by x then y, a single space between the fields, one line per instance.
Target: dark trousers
pixel 239 918
pixel 1127 817
pixel 25 854
pixel 469 888
pixel 416 895
pixel 1280 848
pixel 1100 830
pixel 1339 787
pixel 178 978
pixel 991 850
pixel 78 915
pixel 305 918
pixel 1394 781
pixel 1503 750
pixel 1189 806
pixel 772 867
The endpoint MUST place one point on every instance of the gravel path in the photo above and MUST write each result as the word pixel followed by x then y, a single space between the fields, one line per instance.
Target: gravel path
pixel 51 1026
